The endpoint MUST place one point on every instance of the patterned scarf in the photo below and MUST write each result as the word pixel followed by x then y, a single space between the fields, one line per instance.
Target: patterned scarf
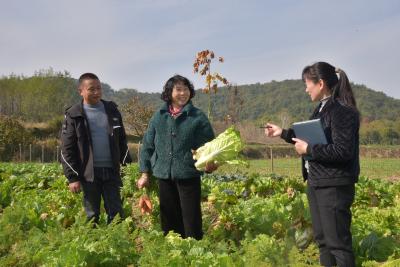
pixel 174 112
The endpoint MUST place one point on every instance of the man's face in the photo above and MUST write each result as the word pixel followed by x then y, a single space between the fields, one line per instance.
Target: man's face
pixel 90 90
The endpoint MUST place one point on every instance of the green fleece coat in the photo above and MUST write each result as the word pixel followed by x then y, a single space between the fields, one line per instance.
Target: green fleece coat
pixel 167 143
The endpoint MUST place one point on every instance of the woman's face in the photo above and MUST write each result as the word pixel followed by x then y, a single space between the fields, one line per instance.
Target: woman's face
pixel 180 95
pixel 314 90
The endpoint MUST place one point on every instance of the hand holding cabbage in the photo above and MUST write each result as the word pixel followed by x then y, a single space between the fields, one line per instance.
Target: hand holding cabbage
pixel 224 149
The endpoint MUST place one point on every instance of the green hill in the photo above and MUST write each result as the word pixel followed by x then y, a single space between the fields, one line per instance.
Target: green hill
pixel 46 95
pixel 276 99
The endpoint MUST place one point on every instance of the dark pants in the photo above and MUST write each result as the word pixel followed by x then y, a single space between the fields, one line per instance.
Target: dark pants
pixel 180 207
pixel 106 184
pixel 331 220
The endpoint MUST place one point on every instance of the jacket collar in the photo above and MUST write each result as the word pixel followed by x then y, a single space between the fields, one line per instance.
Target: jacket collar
pixel 77 110
pixel 186 109
pixel 325 109
pixel 327 105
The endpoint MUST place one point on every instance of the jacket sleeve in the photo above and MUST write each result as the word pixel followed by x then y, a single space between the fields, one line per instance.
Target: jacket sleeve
pixel 205 132
pixel 147 148
pixel 69 150
pixel 287 135
pixel 344 130
pixel 125 156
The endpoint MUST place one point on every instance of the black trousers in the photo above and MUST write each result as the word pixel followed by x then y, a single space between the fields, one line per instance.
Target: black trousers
pixel 106 184
pixel 180 207
pixel 331 220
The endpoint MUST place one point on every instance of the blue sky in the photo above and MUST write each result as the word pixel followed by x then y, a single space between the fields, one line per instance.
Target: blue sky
pixel 140 44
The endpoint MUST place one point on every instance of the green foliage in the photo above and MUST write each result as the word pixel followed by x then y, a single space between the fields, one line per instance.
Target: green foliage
pixel 12 134
pixel 381 132
pixel 248 220
pixel 224 149
pixel 172 250
pixel 37 98
pixel 41 97
pixel 46 94
pixel 373 247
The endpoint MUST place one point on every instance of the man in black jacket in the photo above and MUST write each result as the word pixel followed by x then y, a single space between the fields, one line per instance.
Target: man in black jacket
pixel 93 145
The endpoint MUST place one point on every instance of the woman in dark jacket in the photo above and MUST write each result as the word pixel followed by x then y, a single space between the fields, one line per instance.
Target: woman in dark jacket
pixel 174 131
pixel 331 169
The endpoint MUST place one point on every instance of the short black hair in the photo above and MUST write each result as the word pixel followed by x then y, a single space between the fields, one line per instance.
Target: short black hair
pixel 166 95
pixel 87 76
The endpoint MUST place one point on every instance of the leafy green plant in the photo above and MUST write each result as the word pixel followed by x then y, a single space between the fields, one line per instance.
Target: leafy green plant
pixel 248 220
pixel 224 149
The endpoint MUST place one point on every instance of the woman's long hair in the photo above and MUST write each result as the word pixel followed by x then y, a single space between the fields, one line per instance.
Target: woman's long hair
pixel 340 87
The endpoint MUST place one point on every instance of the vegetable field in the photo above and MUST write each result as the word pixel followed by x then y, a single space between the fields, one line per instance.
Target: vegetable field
pixel 248 220
pixel 377 168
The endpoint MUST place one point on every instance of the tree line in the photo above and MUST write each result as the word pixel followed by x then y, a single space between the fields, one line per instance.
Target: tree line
pixel 43 97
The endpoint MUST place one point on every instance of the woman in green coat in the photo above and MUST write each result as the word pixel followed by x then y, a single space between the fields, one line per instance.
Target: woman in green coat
pixel 174 131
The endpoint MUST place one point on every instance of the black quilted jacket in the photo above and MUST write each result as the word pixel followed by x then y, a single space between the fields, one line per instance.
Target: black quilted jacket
pixel 336 163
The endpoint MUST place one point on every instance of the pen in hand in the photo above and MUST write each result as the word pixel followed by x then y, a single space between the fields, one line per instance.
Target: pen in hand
pixel 268 127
